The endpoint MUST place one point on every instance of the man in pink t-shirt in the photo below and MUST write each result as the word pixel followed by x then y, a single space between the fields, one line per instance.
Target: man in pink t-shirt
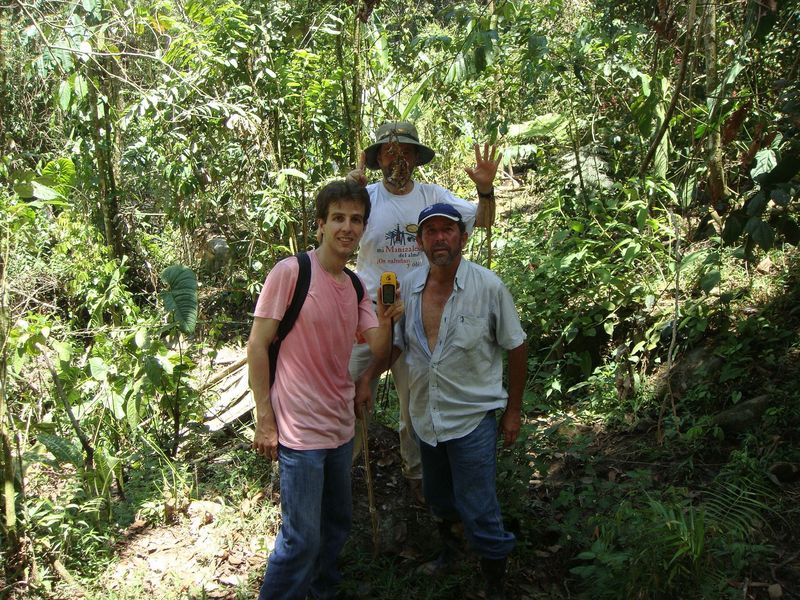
pixel 306 420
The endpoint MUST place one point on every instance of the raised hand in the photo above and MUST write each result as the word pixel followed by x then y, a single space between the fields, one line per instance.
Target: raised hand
pixel 359 174
pixel 485 169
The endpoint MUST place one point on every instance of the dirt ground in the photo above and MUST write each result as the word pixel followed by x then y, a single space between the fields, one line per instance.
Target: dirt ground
pixel 204 554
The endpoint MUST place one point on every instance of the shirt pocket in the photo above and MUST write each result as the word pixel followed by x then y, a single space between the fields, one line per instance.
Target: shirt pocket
pixel 469 331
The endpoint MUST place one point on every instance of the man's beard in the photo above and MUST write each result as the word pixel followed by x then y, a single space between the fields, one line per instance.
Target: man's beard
pixel 440 259
pixel 398 173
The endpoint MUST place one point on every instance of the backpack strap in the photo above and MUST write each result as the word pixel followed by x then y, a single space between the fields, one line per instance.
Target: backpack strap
pixel 298 297
pixel 356 284
pixel 293 311
pixel 290 316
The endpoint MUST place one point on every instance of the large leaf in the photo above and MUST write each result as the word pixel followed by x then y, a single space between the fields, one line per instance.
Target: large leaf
pixel 765 162
pixel 761 232
pixel 550 125
pixel 181 297
pixel 63 450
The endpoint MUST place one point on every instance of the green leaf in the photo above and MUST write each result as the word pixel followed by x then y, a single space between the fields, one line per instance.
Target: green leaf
pixel 780 196
pixel 153 370
pixel 98 368
pixel 693 257
pixel 43 192
pixel 79 87
pixel 64 95
pixel 116 404
pixel 761 232
pixel 765 162
pixel 141 339
pixel 86 51
pixel 89 5
pixel 756 204
pixel 64 350
pixel 64 450
pixel 60 173
pixel 181 297
pixel 294 173
pixel 132 411
pixel 550 125
pixel 710 280
pixel 415 97
pixel 733 229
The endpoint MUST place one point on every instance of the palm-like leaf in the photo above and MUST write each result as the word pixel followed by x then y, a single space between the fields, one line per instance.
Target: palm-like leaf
pixel 181 297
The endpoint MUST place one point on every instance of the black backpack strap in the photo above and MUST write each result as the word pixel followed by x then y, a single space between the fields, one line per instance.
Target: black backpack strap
pixel 298 297
pixel 291 314
pixel 356 284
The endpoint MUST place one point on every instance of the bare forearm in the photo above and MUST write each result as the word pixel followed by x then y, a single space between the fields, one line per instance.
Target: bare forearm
pixel 517 375
pixel 379 364
pixel 485 215
pixel 258 374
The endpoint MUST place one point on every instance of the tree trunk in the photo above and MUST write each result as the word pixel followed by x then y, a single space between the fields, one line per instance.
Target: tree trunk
pixel 106 182
pixel 356 93
pixel 717 185
pixel 15 563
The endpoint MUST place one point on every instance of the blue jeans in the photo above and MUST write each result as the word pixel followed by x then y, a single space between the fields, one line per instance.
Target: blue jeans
pixel 316 513
pixel 458 478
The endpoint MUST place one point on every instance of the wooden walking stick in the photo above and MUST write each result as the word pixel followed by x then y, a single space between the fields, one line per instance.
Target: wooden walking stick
pixel 373 511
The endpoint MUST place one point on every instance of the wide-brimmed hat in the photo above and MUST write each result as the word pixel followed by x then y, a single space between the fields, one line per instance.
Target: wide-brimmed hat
pixel 402 132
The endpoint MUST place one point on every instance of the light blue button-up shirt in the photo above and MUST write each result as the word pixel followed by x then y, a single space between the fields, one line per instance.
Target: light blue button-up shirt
pixel 454 384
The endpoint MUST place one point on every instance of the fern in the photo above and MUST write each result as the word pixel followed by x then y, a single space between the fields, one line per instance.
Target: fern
pixel 736 509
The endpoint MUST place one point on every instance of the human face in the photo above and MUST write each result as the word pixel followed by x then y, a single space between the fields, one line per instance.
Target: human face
pixel 343 228
pixel 442 241
pixel 397 162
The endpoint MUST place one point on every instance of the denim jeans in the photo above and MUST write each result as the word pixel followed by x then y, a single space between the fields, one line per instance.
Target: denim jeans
pixel 316 513
pixel 458 478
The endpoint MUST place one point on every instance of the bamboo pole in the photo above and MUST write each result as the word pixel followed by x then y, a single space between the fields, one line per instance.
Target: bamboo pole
pixel 373 511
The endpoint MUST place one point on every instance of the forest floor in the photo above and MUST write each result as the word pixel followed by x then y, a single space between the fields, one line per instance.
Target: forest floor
pixel 209 549
pixel 214 550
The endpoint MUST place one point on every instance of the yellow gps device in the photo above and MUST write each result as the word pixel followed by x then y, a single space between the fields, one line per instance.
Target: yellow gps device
pixel 388 287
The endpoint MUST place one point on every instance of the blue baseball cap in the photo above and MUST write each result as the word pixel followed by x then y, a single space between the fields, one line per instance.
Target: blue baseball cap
pixel 439 210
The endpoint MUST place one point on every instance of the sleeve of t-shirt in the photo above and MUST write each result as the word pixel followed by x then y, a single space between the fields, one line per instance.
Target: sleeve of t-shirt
pixel 277 291
pixel 367 319
pixel 467 209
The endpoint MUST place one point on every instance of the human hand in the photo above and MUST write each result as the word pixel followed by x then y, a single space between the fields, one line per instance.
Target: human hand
pixel 363 399
pixel 388 313
pixel 510 424
pixel 485 169
pixel 265 441
pixel 359 174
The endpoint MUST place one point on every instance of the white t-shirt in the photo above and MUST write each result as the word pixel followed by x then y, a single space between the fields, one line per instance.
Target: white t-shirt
pixel 389 242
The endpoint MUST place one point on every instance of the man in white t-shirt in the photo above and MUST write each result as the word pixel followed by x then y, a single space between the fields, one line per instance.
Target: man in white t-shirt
pixel 389 240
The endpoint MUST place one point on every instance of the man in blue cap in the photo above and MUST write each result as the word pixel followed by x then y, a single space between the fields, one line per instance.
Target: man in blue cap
pixel 459 320
pixel 389 241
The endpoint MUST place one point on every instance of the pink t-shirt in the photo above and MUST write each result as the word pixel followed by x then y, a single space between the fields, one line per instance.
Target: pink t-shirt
pixel 312 395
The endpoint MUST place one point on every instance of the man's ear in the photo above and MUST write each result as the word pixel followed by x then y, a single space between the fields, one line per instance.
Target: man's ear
pixel 419 239
pixel 320 223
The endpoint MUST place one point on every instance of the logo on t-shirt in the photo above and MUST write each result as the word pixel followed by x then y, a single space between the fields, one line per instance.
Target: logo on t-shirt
pixel 401 247
pixel 398 237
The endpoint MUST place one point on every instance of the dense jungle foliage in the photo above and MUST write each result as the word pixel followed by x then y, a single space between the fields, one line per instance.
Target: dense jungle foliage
pixel 158 157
